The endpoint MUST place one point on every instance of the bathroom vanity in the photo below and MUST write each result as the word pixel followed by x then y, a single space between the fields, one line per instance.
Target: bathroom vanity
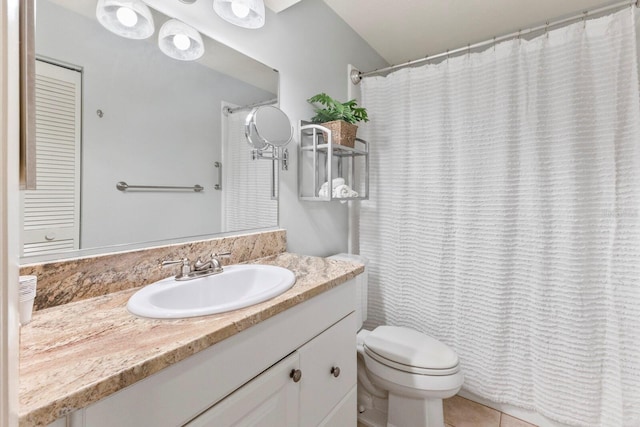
pixel 289 361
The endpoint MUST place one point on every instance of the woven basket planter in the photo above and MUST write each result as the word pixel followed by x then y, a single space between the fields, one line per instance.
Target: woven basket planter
pixel 344 133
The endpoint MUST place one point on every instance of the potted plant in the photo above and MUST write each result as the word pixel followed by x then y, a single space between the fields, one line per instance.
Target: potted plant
pixel 339 117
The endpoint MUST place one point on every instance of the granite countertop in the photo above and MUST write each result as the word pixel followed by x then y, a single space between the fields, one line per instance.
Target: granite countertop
pixel 78 353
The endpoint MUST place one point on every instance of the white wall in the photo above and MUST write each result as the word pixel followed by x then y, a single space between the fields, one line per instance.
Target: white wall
pixel 9 140
pixel 311 47
pixel 151 133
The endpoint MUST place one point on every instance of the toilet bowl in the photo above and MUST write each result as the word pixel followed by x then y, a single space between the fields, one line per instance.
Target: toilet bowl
pixel 403 374
pixel 416 370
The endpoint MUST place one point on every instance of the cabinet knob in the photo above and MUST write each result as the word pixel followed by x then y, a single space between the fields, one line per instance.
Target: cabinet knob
pixel 335 371
pixel 296 375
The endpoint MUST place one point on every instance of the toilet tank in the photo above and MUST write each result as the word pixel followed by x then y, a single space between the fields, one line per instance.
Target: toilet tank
pixel 362 282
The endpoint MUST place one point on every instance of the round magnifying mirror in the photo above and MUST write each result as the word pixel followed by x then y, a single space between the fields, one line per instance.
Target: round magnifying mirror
pixel 268 125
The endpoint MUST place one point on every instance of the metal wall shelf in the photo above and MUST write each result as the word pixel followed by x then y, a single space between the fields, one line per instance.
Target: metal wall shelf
pixel 321 160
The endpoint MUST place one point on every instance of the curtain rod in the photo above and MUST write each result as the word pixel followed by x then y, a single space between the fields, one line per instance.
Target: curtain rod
pixel 229 110
pixel 357 76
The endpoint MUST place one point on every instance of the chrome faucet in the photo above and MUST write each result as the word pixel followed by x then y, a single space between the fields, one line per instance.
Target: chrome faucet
pixel 200 268
pixel 185 269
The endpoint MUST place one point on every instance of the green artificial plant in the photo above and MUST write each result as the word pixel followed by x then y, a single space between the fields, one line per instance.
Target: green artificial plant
pixel 334 110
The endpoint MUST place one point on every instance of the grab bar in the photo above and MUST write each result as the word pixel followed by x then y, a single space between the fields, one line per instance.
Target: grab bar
pixel 123 186
pixel 218 186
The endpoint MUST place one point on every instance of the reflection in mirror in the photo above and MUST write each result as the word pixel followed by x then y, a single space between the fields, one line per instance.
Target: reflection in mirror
pixel 268 130
pixel 245 177
pixel 111 109
pixel 268 125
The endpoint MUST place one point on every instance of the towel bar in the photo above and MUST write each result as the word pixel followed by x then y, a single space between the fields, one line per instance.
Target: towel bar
pixel 123 186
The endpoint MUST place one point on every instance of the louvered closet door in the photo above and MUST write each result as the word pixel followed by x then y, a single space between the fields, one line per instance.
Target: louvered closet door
pixel 51 213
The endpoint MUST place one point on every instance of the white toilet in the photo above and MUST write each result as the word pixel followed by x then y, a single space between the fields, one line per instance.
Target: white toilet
pixel 403 374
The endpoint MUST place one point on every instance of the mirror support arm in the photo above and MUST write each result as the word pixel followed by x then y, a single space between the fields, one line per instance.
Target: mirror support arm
pixel 272 154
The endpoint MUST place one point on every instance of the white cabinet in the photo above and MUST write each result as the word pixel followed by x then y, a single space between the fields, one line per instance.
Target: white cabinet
pixel 328 365
pixel 322 394
pixel 343 414
pixel 270 400
pixel 245 380
pixel 60 422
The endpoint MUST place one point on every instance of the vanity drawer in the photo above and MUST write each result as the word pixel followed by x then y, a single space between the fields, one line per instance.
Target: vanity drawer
pixel 271 398
pixel 320 389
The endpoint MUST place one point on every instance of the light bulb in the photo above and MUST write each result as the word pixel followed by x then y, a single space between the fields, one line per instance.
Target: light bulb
pixel 127 17
pixel 239 9
pixel 181 41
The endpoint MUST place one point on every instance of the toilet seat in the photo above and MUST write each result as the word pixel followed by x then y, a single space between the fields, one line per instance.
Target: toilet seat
pixel 410 384
pixel 410 351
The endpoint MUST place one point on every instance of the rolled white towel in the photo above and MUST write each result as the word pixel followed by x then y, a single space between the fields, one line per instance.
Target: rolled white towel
pixel 324 193
pixel 324 188
pixel 344 191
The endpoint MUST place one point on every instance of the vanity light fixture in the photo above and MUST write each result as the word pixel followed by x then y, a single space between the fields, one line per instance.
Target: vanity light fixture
pixel 243 13
pixel 180 41
pixel 127 18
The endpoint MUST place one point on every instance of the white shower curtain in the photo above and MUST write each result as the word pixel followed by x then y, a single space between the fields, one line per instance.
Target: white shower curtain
pixel 504 217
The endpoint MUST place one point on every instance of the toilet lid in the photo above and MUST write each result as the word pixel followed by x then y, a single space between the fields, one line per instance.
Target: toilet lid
pixel 409 348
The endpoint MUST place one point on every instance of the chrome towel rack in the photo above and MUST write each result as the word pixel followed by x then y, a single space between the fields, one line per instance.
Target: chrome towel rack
pixel 123 186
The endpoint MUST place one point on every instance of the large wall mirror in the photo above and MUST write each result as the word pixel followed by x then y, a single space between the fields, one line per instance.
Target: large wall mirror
pixel 111 109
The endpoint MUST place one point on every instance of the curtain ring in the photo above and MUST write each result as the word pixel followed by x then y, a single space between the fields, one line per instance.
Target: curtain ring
pixel 494 41
pixel 546 29
pixel 584 18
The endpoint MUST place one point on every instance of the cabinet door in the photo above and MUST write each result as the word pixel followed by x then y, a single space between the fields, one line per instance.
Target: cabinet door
pixel 345 413
pixel 60 422
pixel 321 390
pixel 269 400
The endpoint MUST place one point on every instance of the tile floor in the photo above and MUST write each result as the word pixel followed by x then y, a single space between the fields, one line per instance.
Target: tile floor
pixel 461 412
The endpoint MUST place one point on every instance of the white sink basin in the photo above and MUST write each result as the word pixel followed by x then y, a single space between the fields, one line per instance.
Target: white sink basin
pixel 236 287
